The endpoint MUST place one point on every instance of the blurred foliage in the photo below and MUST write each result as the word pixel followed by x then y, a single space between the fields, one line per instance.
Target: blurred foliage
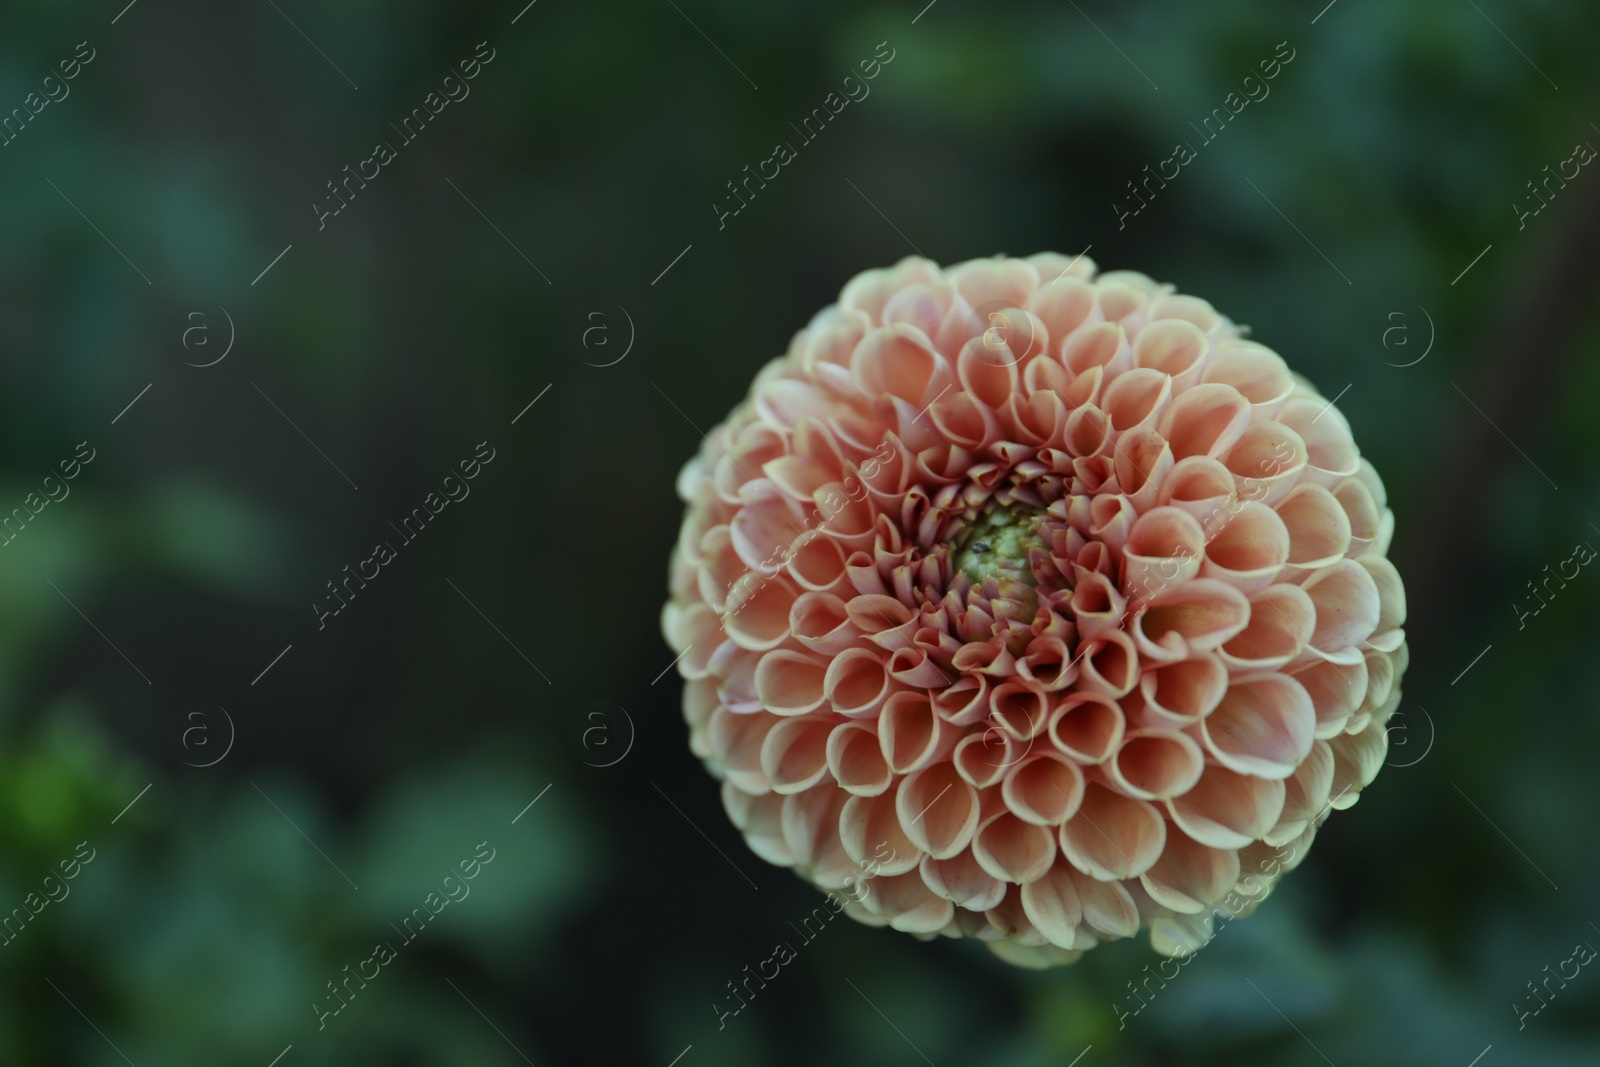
pixel 411 327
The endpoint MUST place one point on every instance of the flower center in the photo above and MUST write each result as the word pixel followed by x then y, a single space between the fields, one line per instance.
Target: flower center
pixel 1002 543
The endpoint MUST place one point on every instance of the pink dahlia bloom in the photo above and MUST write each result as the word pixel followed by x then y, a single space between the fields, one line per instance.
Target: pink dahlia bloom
pixel 1035 605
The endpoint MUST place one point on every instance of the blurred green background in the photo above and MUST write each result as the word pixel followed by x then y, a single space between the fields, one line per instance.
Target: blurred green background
pixel 378 351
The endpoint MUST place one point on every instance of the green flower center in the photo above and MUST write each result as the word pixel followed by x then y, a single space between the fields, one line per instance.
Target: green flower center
pixel 1000 545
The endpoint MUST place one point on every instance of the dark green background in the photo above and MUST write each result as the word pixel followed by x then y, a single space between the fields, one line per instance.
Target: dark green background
pixel 409 330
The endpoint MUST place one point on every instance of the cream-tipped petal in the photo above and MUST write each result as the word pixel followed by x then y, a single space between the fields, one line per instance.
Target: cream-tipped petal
pixel 1108 908
pixel 790 683
pixel 1282 619
pixel 819 622
pixel 1306 796
pixel 856 761
pixel 962 881
pixel 760 819
pixel 1190 877
pixel 1113 837
pixel 1182 693
pixel 1319 529
pixel 1051 903
pixel 1205 420
pixel 794 754
pixel 909 905
pixel 1264 726
pixel 856 683
pixel 1267 462
pixel 1142 460
pixel 1226 809
pixel 1164 547
pixel 1109 664
pixel 1336 690
pixel 1155 764
pixel 1010 920
pixel 911 735
pixel 1347 604
pixel 1201 486
pixel 1197 616
pixel 1248 550
pixel 1136 400
pixel 938 811
pixel 810 823
pixel 736 743
pixel 1087 727
pixel 1258 372
pixel 870 831
pixel 1174 347
pixel 1045 789
pixel 1012 850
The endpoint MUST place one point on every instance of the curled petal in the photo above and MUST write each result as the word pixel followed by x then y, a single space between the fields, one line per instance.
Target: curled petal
pixel 1228 810
pixel 910 734
pixel 1108 908
pixel 1282 619
pixel 1097 606
pixel 1336 690
pixel 1051 903
pixel 810 822
pixel 1199 615
pixel 1109 664
pixel 1013 850
pixel 760 819
pixel 1137 400
pixel 1182 693
pixel 869 830
pixel 856 761
pixel 1045 789
pixel 1155 764
pixel 856 683
pixel 1087 726
pixel 1113 837
pixel 1347 604
pixel 1264 726
pixel 962 881
pixel 790 683
pixel 983 757
pixel 736 744
pixel 1258 372
pixel 1205 420
pixel 1142 461
pixel 1330 448
pixel 1319 529
pixel 1306 796
pixel 820 623
pixel 1201 486
pixel 900 362
pixel 909 904
pixel 1189 876
pixel 1174 347
pixel 1266 462
pixel 938 811
pixel 1249 550
pixel 1164 546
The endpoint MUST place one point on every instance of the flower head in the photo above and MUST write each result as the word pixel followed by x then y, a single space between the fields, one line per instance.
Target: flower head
pixel 1035 605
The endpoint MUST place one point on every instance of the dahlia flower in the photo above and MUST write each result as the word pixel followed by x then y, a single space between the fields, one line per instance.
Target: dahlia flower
pixel 1036 605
